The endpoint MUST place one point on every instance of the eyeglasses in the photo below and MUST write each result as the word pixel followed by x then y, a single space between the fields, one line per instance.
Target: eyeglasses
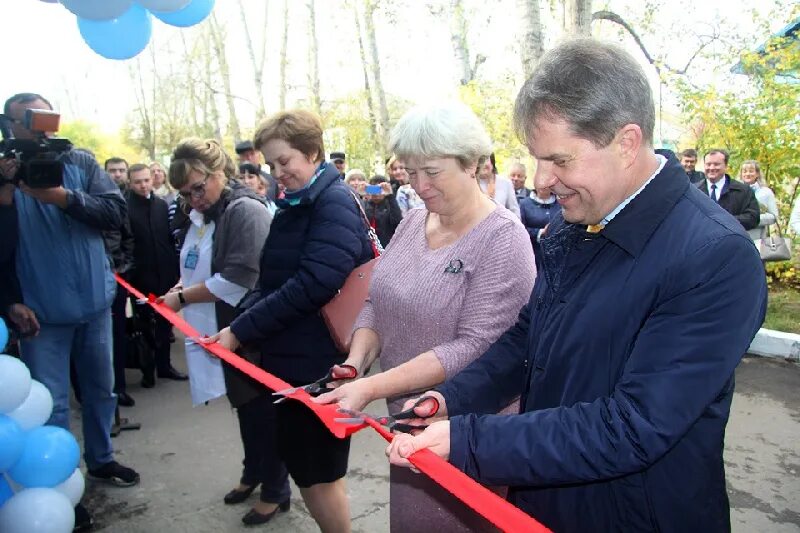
pixel 196 191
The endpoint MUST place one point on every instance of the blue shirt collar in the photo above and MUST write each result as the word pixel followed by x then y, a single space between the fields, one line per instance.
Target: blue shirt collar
pixel 609 217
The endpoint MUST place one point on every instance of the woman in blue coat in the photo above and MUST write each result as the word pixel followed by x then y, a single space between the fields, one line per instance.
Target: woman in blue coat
pixel 536 212
pixel 317 238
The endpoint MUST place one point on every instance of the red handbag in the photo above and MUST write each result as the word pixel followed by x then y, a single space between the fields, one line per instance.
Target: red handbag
pixel 341 312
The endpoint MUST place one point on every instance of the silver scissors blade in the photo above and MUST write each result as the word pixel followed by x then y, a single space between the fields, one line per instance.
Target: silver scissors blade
pixel 354 420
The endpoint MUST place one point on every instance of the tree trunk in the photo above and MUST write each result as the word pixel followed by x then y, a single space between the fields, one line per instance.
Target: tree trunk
pixel 458 36
pixel 211 109
pixel 189 61
pixel 578 17
pixel 383 112
pixel 313 64
pixel 532 44
pixel 147 141
pixel 459 32
pixel 257 61
pixel 219 50
pixel 284 40
pixel 373 123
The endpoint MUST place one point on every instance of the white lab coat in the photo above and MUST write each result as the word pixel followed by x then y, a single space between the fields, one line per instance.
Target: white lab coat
pixel 206 380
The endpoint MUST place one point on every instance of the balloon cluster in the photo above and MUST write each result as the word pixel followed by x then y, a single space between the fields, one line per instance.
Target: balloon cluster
pixel 40 482
pixel 120 29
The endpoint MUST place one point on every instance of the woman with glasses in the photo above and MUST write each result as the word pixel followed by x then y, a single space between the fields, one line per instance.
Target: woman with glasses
pixel 221 240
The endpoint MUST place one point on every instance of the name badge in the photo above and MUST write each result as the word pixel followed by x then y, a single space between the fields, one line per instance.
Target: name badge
pixel 191 259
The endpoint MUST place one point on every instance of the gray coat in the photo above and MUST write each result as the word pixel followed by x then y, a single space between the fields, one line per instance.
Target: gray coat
pixel 242 229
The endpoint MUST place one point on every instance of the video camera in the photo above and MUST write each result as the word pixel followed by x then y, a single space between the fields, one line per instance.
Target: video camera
pixel 39 165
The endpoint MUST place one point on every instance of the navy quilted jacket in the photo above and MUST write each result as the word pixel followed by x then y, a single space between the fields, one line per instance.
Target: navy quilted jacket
pixel 625 359
pixel 311 249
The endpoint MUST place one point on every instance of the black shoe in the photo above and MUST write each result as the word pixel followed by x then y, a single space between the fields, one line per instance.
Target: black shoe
pixel 254 518
pixel 148 380
pixel 124 400
pixel 83 520
pixel 238 496
pixel 171 373
pixel 115 474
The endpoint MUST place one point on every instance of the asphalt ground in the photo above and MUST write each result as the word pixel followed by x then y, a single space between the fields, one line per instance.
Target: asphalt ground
pixel 189 457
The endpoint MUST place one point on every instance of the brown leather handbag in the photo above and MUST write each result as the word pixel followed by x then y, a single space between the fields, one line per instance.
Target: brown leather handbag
pixel 341 312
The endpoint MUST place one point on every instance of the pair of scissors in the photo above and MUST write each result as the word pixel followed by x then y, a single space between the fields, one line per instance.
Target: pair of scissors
pixel 429 405
pixel 320 386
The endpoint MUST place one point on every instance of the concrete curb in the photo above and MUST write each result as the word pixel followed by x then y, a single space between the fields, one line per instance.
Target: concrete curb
pixel 771 343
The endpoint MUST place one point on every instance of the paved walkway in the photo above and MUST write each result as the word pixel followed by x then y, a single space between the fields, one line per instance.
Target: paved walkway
pixel 190 457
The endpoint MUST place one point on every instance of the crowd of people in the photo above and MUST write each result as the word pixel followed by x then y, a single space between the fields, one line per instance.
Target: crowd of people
pixel 572 324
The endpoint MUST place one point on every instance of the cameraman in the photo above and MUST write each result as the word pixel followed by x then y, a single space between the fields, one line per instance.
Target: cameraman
pixel 67 286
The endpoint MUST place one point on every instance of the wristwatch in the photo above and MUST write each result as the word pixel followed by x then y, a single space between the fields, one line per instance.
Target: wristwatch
pixel 181 299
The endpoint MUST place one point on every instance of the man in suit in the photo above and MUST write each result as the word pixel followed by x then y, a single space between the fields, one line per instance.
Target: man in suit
pixel 732 195
pixel 517 174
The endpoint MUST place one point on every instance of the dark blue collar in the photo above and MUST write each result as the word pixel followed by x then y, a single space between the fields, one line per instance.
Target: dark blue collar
pixel 326 174
pixel 633 226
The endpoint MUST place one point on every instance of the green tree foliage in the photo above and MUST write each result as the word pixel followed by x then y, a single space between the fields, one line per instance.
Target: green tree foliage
pixel 347 128
pixel 758 123
pixel 89 136
pixel 493 102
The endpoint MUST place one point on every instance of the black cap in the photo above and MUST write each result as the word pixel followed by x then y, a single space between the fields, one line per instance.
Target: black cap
pixel 244 146
pixel 250 168
pixel 335 156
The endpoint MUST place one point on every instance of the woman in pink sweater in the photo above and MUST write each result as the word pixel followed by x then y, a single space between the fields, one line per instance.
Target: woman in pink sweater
pixel 451 282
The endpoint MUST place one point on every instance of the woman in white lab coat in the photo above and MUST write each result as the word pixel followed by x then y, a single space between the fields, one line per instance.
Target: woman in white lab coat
pixel 222 235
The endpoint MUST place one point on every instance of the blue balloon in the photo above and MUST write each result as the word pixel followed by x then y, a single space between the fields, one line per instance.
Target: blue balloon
pixel 194 13
pixel 12 440
pixel 119 38
pixel 5 491
pixel 3 335
pixel 50 455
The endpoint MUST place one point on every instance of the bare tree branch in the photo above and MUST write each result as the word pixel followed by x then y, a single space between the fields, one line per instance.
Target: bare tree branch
pixel 658 65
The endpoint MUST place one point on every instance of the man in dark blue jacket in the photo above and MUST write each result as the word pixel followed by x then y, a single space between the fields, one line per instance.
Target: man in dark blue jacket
pixel 625 354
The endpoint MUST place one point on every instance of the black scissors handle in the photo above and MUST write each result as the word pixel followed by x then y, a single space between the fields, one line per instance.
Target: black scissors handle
pixel 319 386
pixel 429 402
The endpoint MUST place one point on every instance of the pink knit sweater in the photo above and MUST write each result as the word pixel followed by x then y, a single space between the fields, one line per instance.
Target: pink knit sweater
pixel 455 300
pixel 415 305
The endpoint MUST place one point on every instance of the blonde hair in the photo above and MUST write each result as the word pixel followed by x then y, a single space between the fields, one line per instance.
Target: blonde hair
pixel 756 166
pixel 195 154
pixel 389 164
pixel 166 178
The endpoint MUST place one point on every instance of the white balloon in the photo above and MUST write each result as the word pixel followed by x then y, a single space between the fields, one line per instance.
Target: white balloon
pixel 15 383
pixel 163 6
pixel 37 510
pixel 73 487
pixel 36 408
pixel 97 9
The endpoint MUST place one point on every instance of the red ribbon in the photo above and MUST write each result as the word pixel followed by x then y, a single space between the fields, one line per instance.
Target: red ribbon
pixel 483 501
